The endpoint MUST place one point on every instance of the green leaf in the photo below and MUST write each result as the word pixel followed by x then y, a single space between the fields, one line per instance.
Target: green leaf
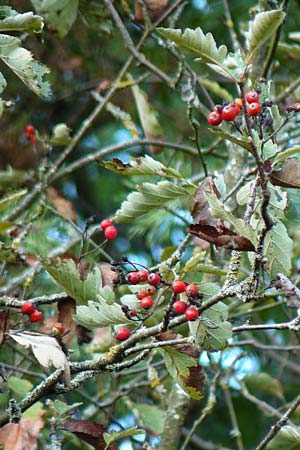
pixel 22 63
pixel 292 50
pixel 239 225
pixel 202 45
pixel 269 149
pixel 151 417
pixel 148 117
pixel 34 412
pixel 101 313
pixel 230 137
pixel 212 330
pixel 278 251
pixel 193 265
pixel 13 177
pixel 60 135
pixel 66 274
pixel 19 386
pixel 141 166
pixel 288 438
pixel 263 382
pixel 150 196
pixel 116 435
pixel 11 20
pixel 96 17
pixel 3 83
pixel 62 409
pixel 289 152
pixel 10 199
pixel 262 27
pixel 59 14
pixel 216 89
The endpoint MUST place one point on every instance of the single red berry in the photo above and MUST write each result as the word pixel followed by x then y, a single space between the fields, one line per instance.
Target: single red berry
pixel 154 278
pixel 179 307
pixel 191 313
pixel 141 294
pixel 28 308
pixel 111 233
pixel 133 278
pixel 14 233
pixel 192 290
pixel 230 112
pixel 30 129
pixel 143 275
pixel 178 286
pixel 133 312
pixel 151 290
pixel 296 107
pixel 36 316
pixel 252 97
pixel 58 328
pixel 105 223
pixel 254 109
pixel 147 302
pixel 122 334
pixel 33 138
pixel 214 118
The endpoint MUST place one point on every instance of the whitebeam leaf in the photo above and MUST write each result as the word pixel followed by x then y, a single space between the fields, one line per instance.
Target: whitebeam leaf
pixel 67 275
pixel 141 166
pixel 288 438
pixel 262 27
pixel 278 251
pixel 59 14
pixel 11 20
pixel 149 196
pixel 45 348
pixel 21 61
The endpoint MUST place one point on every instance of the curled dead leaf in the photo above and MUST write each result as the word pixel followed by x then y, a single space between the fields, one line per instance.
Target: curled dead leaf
pixel 63 206
pixel 90 432
pixel 288 175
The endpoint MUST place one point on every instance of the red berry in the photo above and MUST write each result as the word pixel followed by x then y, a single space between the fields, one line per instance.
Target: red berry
pixel 30 129
pixel 133 312
pixel 178 286
pixel 179 307
pixel 296 107
pixel 147 302
pixel 154 279
pixel 105 223
pixel 191 314
pixel 133 278
pixel 122 334
pixel 252 97
pixel 143 275
pixel 151 290
pixel 36 316
pixel 141 294
pixel 214 118
pixel 33 138
pixel 28 308
pixel 110 233
pixel 58 328
pixel 192 290
pixel 14 233
pixel 230 112
pixel 254 109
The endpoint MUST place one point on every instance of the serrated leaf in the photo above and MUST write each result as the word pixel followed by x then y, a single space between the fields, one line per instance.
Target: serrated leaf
pixel 141 166
pixel 230 137
pixel 212 330
pixel 151 417
pixel 149 196
pixel 263 382
pixel 21 62
pixel 262 27
pixel 202 45
pixel 278 250
pixel 239 225
pixel 288 438
pixel 60 135
pixel 116 435
pixel 45 348
pixel 11 20
pixel 59 14
pixel 100 313
pixel 148 117
pixel 19 386
pixel 10 199
pixel 67 276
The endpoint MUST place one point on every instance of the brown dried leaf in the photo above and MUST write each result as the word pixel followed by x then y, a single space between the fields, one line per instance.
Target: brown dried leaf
pixel 21 436
pixel 67 309
pixel 288 176
pixel 107 274
pixel 90 432
pixel 155 9
pixel 221 237
pixel 201 212
pixel 63 206
pixel 4 324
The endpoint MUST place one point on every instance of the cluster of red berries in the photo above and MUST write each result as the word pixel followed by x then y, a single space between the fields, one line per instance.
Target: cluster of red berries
pixel 30 133
pixel 34 314
pixel 144 295
pixel 180 306
pixel 110 231
pixel 230 111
